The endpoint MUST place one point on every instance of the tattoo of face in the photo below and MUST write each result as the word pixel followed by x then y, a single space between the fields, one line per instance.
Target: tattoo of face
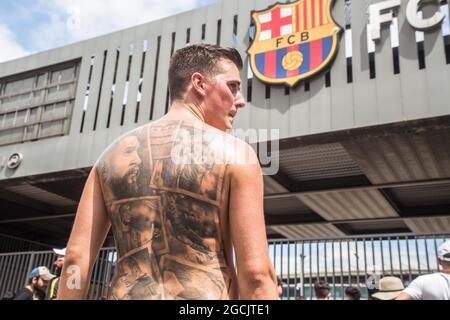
pixel 165 214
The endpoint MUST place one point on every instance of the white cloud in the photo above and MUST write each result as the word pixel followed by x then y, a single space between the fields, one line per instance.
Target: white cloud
pixel 76 20
pixel 11 49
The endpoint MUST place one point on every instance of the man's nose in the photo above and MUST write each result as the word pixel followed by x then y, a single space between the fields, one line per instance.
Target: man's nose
pixel 240 101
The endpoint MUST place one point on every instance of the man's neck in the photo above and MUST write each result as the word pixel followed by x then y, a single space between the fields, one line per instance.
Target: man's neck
pixel 180 109
pixel 446 271
pixel 29 287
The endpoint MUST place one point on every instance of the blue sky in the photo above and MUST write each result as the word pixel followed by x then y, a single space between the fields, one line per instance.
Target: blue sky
pixel 30 26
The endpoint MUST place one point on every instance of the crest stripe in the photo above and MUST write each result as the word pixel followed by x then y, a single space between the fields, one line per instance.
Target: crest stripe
pixel 270 64
pixel 321 11
pixel 260 62
pixel 281 72
pixel 327 44
pixel 316 53
pixel 304 49
pixel 305 15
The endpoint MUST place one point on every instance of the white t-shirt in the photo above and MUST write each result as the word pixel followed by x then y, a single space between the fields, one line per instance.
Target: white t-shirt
pixel 434 286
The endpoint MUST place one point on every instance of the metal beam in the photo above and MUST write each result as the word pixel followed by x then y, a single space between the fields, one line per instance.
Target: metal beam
pixel 298 219
pixel 51 217
pixel 409 127
pixel 284 180
pixel 342 182
pixel 14 197
pixel 367 187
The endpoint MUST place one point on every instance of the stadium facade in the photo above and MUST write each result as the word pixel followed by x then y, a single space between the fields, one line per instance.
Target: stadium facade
pixel 363 144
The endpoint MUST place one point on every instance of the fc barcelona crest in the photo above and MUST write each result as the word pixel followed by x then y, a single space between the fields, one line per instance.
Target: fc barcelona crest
pixel 293 41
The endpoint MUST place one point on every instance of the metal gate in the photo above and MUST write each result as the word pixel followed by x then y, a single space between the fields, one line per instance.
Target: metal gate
pixel 352 261
pixel 342 262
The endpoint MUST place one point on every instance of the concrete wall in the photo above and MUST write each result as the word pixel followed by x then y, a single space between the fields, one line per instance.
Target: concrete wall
pixel 411 94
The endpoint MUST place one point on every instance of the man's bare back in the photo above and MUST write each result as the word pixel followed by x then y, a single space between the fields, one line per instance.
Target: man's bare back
pixel 181 196
pixel 165 191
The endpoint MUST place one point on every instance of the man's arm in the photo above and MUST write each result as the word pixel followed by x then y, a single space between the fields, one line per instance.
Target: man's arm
pixel 413 291
pixel 255 273
pixel 90 229
pixel 404 296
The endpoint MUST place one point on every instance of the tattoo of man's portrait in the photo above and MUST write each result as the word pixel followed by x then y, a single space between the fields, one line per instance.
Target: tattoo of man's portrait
pixel 165 214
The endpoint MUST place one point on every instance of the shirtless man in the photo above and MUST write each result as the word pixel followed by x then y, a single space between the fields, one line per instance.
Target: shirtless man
pixel 180 194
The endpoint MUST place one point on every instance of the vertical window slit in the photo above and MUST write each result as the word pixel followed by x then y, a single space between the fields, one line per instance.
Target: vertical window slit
pixel 372 65
pixel 113 87
pixel 267 92
pixel 127 83
pixel 235 30
pixel 141 80
pixel 105 55
pixel 349 70
pixel 348 40
pixel 421 55
pixel 87 92
pixel 203 31
pixel 172 49
pixel 219 31
pixel 155 77
pixel 444 8
pixel 249 89
pixel 328 79
pixel 396 61
pixel 447 48
pixel 188 35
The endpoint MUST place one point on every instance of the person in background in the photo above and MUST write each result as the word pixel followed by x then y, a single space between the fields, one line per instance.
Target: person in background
pixel 389 288
pixel 58 264
pixel 352 293
pixel 279 286
pixel 37 285
pixel 435 286
pixel 322 290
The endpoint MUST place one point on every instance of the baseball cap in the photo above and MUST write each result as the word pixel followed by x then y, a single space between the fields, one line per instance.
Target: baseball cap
pixel 60 252
pixel 41 272
pixel 444 251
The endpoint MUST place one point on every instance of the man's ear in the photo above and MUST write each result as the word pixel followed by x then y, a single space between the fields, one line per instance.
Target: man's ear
pixel 198 83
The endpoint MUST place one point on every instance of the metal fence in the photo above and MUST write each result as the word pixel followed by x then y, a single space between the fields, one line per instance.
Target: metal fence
pixel 353 261
pixel 343 262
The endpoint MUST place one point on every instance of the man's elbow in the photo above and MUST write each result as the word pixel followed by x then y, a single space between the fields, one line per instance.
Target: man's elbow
pixel 259 283
pixel 74 256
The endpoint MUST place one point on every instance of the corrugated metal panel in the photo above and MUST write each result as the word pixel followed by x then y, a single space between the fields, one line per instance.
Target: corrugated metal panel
pixel 424 195
pixel 429 225
pixel 272 187
pixel 347 205
pixel 343 105
pixel 39 194
pixel 285 205
pixel 318 162
pixel 308 231
pixel 380 226
pixel 398 158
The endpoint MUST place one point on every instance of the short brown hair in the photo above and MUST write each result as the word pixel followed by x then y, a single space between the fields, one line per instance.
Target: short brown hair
pixel 322 289
pixel 202 58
